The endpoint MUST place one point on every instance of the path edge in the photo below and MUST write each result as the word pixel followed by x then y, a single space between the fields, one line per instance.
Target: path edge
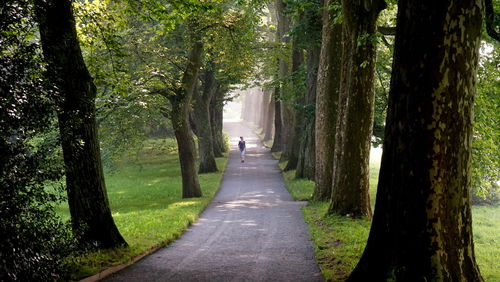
pixel 108 271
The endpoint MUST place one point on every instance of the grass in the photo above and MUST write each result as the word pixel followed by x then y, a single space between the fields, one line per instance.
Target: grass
pixel 339 241
pixel 146 202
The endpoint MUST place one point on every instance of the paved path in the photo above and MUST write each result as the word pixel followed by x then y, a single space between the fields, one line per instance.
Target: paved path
pixel 252 231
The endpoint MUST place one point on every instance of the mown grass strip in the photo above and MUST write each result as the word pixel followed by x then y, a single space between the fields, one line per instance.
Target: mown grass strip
pixel 146 201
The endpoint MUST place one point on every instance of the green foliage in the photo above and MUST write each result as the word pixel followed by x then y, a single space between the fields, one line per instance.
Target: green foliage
pixel 485 146
pixel 145 197
pixel 34 240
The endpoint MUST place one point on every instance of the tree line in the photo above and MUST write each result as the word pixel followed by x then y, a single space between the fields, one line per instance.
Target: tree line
pixel 83 81
pixel 78 76
pixel 421 225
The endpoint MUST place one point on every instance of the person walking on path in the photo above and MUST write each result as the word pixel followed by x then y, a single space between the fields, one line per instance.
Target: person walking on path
pixel 242 147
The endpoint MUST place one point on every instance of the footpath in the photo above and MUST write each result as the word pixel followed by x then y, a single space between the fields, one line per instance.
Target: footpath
pixel 252 231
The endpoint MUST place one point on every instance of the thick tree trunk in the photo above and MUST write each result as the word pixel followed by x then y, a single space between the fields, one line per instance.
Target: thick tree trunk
pixel 216 120
pixel 90 214
pixel 201 113
pixel 422 229
pixel 281 31
pixel 307 157
pixel 355 110
pixel 278 133
pixel 326 103
pixel 268 134
pixel 295 135
pixel 181 103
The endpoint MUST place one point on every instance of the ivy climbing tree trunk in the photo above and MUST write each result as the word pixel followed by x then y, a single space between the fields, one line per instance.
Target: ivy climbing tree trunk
pixel 181 104
pixel 87 198
pixel 201 113
pixel 326 102
pixel 355 110
pixel 422 228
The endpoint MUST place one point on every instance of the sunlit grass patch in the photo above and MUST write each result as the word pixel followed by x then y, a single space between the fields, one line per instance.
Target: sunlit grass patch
pixel 145 195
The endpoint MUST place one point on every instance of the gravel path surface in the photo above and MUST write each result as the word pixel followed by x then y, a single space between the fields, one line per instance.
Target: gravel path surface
pixel 252 231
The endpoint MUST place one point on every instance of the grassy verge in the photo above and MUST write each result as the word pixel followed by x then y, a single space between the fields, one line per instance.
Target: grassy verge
pixel 339 241
pixel 146 201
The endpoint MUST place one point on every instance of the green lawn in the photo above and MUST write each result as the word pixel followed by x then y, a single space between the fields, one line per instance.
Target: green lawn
pixel 145 198
pixel 339 241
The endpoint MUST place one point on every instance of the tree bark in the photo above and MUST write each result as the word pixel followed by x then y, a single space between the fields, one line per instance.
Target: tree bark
pixel 326 103
pixel 268 135
pixel 355 111
pixel 87 197
pixel 307 157
pixel 181 103
pixel 278 133
pixel 281 31
pixel 422 227
pixel 216 120
pixel 201 113
pixel 295 136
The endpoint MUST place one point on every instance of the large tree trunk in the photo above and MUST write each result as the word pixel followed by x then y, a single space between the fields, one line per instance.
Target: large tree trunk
pixel 355 110
pixel 264 110
pixel 278 133
pixel 268 134
pixel 326 103
pixel 201 113
pixel 307 157
pixel 281 31
pixel 216 120
pixel 422 228
pixel 181 103
pixel 295 129
pixel 88 203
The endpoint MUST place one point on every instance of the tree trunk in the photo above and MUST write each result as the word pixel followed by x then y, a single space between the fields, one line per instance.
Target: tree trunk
pixel 181 103
pixel 201 115
pixel 307 157
pixel 87 197
pixel 268 134
pixel 355 111
pixel 278 133
pixel 216 120
pixel 281 31
pixel 326 103
pixel 295 136
pixel 422 228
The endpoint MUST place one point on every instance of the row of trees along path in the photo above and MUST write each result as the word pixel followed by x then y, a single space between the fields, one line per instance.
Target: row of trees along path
pixel 421 227
pixel 252 231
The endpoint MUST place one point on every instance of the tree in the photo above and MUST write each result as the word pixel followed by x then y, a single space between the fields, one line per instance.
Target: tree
pixel 88 202
pixel 313 24
pixel 201 117
pixel 422 227
pixel 281 31
pixel 180 101
pixel 35 242
pixel 355 110
pixel 327 100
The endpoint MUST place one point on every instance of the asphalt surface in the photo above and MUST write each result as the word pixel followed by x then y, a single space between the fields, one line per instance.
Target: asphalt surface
pixel 252 231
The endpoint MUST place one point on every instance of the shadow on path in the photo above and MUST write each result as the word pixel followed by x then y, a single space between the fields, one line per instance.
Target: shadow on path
pixel 252 231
